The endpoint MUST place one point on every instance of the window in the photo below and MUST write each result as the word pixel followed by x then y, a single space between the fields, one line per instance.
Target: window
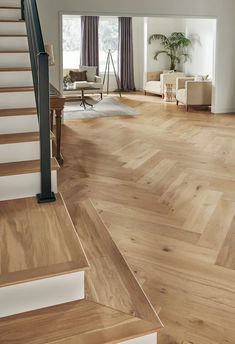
pixel 108 39
pixel 71 41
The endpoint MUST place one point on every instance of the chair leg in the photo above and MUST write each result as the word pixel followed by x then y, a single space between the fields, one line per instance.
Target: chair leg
pixel 145 93
pixel 101 96
pixel 177 102
pixel 187 108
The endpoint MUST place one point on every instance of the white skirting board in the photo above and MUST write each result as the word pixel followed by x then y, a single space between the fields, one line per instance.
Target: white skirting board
pixel 23 185
pixel 25 297
pixel 148 339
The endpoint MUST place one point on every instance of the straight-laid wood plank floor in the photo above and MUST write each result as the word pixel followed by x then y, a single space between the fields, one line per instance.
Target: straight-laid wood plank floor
pixel 163 183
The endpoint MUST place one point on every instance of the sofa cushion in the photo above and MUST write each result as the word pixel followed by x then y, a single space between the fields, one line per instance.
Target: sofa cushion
pixel 181 96
pixel 153 87
pixel 77 76
pixel 90 72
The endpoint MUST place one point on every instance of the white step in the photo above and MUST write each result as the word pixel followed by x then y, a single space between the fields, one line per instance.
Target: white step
pixel 14 59
pixel 12 100
pixel 23 185
pixel 19 152
pixel 16 78
pixel 42 293
pixel 10 14
pixel 13 43
pixel 18 124
pixel 148 339
pixel 12 28
pixel 10 3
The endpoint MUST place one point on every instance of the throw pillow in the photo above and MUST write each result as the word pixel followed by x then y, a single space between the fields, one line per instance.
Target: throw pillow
pixel 90 72
pixel 78 76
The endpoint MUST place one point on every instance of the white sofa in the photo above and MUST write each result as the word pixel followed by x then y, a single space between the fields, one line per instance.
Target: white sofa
pixel 93 81
pixel 156 81
pixel 191 93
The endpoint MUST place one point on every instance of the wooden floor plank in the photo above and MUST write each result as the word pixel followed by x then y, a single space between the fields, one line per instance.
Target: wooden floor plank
pixel 166 174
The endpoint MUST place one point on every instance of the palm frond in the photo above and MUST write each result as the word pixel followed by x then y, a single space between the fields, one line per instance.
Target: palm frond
pixel 160 52
pixel 156 37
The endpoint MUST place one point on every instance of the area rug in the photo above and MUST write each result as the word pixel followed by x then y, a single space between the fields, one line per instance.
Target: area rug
pixel 107 107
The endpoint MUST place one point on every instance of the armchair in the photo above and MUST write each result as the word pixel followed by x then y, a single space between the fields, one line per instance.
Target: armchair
pixel 92 80
pixel 190 92
pixel 156 81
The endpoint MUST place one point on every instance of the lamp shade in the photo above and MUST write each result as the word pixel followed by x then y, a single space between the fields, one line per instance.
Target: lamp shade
pixel 50 51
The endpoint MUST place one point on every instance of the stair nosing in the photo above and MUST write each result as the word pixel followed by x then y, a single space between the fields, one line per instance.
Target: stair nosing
pixel 16 89
pixel 18 112
pixel 6 139
pixel 26 167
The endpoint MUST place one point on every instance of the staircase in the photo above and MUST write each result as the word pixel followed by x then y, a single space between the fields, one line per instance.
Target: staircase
pixel 49 293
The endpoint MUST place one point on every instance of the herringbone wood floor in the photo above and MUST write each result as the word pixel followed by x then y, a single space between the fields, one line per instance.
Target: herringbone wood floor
pixel 164 185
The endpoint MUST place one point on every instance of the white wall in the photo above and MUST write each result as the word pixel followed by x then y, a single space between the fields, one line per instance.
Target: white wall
pixel 163 26
pixel 203 34
pixel 224 100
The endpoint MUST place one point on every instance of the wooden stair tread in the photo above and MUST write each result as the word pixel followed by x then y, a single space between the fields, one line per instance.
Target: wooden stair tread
pixel 10 8
pixel 82 322
pixel 20 138
pixel 16 69
pixel 11 20
pixel 48 244
pixel 14 51
pixel 120 289
pixel 13 35
pixel 16 89
pixel 26 167
pixel 18 112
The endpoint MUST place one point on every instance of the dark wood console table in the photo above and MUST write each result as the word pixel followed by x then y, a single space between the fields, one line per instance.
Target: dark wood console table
pixel 57 101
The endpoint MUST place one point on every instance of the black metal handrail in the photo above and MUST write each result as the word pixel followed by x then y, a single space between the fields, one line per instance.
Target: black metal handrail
pixel 40 69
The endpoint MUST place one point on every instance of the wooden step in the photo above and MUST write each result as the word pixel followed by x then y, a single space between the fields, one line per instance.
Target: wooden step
pixel 16 89
pixel 83 322
pixel 12 21
pixel 43 262
pixel 15 35
pixel 26 167
pixel 18 112
pixel 10 8
pixel 48 246
pixel 16 69
pixel 21 137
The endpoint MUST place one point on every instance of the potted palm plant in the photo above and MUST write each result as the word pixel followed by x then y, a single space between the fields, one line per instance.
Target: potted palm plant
pixel 175 46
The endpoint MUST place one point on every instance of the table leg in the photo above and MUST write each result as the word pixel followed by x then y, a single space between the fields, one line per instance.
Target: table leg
pixel 58 116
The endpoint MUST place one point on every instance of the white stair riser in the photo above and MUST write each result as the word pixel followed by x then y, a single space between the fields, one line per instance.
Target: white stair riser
pixel 16 152
pixel 16 79
pixel 23 185
pixel 18 124
pixel 10 3
pixel 148 339
pixel 10 14
pixel 14 44
pixel 12 28
pixel 14 60
pixel 21 298
pixel 14 100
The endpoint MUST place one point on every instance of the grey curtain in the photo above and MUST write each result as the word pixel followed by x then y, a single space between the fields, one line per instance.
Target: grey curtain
pixel 90 41
pixel 126 58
